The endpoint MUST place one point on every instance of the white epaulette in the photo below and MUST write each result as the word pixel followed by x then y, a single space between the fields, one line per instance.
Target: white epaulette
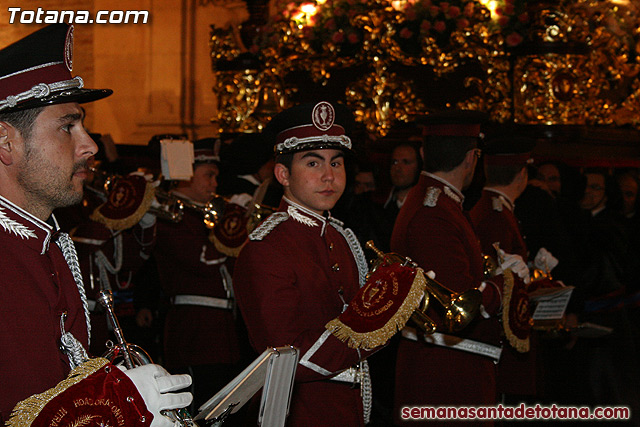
pixel 431 197
pixel 268 225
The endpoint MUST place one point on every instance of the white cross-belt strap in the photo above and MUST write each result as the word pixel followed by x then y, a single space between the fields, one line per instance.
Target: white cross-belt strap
pixel 203 301
pixel 360 376
pixel 456 343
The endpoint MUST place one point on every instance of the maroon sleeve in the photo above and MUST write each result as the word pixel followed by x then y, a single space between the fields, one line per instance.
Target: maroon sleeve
pixel 280 307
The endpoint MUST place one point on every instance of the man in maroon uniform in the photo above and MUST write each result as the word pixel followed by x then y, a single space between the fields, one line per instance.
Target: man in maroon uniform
pixel 497 227
pixel 433 231
pixel 43 163
pixel 200 335
pixel 300 268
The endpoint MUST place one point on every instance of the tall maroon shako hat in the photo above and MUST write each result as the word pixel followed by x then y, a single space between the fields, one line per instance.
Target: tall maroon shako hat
pixel 206 150
pixel 36 71
pixel 312 126
pixel 509 151
pixel 453 123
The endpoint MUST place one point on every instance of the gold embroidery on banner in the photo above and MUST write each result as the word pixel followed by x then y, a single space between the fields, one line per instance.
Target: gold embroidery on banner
pixel 372 339
pixel 26 411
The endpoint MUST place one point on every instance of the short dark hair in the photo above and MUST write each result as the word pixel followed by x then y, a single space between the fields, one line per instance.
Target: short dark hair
pixel 445 153
pixel 501 174
pixel 22 120
pixel 285 159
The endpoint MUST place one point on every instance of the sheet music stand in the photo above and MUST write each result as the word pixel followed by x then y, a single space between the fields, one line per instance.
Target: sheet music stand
pixel 273 371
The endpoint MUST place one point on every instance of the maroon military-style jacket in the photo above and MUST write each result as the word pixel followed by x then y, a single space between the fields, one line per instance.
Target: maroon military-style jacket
pixel 297 273
pixel 108 260
pixel 494 221
pixel 433 231
pixel 190 265
pixel 37 288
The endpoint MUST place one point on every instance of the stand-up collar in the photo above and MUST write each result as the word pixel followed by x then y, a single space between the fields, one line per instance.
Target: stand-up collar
pixel 306 216
pixel 20 224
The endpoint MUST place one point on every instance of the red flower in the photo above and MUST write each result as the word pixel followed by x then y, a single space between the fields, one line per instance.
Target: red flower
pixel 410 13
pixel 330 24
pixel 425 26
pixel 468 10
pixel 444 6
pixel 508 9
pixel 454 11
pixel 338 11
pixel 440 26
pixel 434 10
pixel 524 18
pixel 503 21
pixel 406 33
pixel 353 38
pixel 514 39
pixel 338 37
pixel 462 24
pixel 307 32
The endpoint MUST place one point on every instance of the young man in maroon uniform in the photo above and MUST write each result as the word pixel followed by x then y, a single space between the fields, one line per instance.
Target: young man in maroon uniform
pixel 505 166
pixel 433 231
pixel 301 268
pixel 43 163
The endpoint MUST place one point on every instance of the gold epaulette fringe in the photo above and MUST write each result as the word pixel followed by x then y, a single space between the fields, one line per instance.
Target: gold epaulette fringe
pixel 26 411
pixel 131 220
pixel 521 345
pixel 372 339
pixel 224 249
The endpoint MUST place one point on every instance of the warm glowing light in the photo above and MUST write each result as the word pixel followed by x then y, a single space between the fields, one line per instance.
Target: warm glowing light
pixel 303 16
pixel 492 5
pixel 309 9
pixel 398 4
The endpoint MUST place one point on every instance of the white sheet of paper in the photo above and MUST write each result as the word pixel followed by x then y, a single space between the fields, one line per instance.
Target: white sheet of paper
pixel 176 159
pixel 551 303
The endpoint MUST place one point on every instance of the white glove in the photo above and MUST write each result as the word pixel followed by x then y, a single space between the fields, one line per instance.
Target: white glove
pixel 147 220
pixel 155 385
pixel 545 261
pixel 515 263
pixel 241 199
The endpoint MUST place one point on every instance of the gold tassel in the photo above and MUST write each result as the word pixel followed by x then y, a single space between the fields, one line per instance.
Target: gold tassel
pixel 224 249
pixel 372 339
pixel 131 220
pixel 521 345
pixel 26 411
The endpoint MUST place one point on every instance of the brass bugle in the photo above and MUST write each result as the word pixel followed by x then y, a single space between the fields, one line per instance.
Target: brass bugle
pixel 460 308
pixel 131 356
pixel 171 207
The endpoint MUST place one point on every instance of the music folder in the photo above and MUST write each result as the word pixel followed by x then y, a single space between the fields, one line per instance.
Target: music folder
pixel 273 371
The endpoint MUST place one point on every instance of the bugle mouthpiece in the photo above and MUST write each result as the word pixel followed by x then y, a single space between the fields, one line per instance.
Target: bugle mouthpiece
pixel 372 246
